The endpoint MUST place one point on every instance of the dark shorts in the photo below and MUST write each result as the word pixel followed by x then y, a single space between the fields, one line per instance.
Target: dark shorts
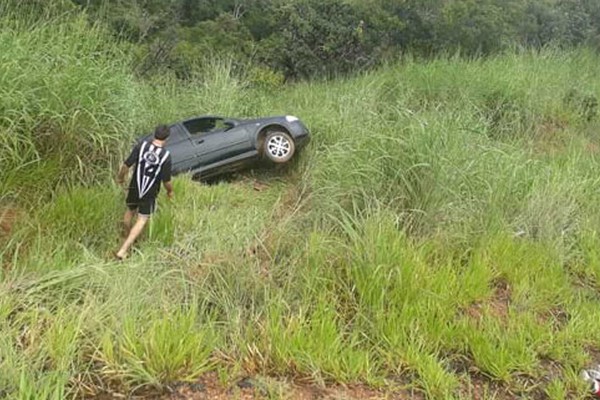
pixel 144 206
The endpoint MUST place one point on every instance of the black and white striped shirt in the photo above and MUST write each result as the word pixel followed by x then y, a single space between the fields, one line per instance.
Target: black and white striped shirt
pixel 152 166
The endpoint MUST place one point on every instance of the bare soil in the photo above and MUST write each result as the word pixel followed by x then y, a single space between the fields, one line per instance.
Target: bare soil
pixel 210 388
pixel 8 218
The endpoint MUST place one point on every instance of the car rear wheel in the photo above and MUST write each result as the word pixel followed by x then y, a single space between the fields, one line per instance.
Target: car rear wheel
pixel 279 147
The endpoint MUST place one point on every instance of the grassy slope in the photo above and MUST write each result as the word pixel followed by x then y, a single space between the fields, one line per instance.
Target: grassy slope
pixel 440 231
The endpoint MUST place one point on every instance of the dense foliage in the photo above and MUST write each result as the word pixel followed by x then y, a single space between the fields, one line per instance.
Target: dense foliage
pixel 299 38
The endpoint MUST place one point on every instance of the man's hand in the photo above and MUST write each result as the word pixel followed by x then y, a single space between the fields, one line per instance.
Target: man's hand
pixel 169 187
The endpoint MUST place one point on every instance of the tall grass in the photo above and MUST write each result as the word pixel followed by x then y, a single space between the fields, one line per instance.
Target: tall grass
pixel 438 235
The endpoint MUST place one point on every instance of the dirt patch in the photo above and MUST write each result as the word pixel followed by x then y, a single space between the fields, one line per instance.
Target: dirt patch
pixel 552 370
pixel 500 301
pixel 12 217
pixel 474 311
pixel 476 385
pixel 479 387
pixel 259 186
pixel 209 387
pixel 581 279
pixel 557 317
pixel 9 216
pixel 594 354
pixel 473 383
pixel 592 148
pixel 550 137
pixel 497 305
pixel 460 364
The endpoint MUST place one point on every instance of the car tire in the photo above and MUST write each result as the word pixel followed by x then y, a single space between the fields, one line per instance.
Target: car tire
pixel 278 147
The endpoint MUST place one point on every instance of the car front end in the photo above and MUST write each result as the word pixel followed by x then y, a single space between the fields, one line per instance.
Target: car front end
pixel 298 130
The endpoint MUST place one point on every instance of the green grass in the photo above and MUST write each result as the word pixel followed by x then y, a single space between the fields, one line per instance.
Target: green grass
pixel 439 233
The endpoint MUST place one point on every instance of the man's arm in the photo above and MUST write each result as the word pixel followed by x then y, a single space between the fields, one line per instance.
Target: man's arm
pixel 122 174
pixel 166 177
pixel 133 156
pixel 169 186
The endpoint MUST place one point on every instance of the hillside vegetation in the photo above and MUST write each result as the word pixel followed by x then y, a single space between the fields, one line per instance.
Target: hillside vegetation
pixel 295 39
pixel 437 239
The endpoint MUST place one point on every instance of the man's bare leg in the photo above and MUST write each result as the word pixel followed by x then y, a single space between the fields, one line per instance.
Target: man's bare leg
pixel 127 218
pixel 133 234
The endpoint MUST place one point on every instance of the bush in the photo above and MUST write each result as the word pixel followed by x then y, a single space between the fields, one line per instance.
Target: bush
pixel 316 38
pixel 265 78
pixel 67 99
pixel 585 105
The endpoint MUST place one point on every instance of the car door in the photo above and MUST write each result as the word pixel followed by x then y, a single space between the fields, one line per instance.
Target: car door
pixel 214 141
pixel 183 153
pixel 222 145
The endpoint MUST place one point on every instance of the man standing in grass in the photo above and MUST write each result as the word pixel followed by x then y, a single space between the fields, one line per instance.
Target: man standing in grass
pixel 152 165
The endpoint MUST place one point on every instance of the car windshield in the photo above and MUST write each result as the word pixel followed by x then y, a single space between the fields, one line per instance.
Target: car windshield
pixel 205 125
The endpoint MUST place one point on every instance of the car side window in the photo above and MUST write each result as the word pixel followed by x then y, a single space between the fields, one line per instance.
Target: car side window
pixel 201 126
pixel 220 125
